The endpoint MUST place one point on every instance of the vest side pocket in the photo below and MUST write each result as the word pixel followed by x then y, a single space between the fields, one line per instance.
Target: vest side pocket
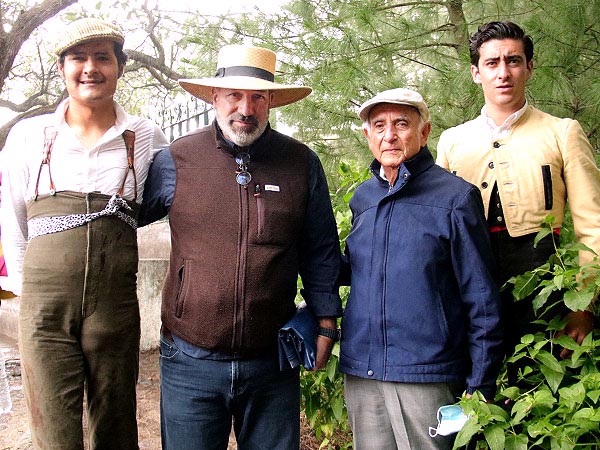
pixel 180 297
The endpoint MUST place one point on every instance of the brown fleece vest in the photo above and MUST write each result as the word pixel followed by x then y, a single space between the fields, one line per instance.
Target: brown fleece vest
pixel 234 260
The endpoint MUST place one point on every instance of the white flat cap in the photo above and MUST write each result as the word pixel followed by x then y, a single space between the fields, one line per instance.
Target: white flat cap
pixel 398 96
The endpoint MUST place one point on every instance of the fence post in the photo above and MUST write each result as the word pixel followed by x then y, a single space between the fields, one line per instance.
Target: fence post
pixel 181 118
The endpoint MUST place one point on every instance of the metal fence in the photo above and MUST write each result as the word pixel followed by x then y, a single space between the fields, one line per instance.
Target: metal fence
pixel 185 117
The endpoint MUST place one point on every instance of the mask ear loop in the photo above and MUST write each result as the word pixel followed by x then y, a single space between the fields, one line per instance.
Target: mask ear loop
pixel 434 431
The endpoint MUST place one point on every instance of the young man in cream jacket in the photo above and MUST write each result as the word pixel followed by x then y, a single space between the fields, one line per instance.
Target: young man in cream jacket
pixel 526 164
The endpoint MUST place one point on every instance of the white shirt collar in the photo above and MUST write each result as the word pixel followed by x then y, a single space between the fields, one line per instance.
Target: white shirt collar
pixel 382 173
pixel 501 131
pixel 121 121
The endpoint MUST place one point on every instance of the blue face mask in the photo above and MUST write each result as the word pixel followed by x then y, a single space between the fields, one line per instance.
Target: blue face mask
pixel 451 419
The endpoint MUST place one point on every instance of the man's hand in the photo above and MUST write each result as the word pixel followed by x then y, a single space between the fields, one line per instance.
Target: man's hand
pixel 579 324
pixel 324 344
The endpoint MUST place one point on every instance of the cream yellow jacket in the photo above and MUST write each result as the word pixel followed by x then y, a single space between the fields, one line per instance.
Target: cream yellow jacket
pixel 543 161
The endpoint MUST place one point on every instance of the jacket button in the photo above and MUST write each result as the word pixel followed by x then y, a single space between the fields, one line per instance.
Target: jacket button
pixel 484 185
pixel 491 165
pixel 496 145
pixel 370 373
pixel 499 218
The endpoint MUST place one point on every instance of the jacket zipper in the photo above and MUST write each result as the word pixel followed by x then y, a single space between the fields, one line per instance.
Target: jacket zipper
pixel 238 306
pixel 384 284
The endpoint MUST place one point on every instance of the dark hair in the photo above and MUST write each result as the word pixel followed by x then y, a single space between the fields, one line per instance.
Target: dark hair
pixel 499 30
pixel 119 53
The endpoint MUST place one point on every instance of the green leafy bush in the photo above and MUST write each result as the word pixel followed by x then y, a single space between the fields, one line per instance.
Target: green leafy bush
pixel 556 405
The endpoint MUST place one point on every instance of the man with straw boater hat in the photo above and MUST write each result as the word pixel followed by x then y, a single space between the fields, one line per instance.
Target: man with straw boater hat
pixel 72 184
pixel 249 210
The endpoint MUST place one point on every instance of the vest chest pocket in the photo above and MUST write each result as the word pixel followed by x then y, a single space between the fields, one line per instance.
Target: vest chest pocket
pixel 279 215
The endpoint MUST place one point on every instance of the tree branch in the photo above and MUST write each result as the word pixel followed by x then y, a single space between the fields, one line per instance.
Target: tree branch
pixel 5 128
pixel 27 21
pixel 149 62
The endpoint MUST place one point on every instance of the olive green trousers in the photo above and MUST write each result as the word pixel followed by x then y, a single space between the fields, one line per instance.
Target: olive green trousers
pixel 80 328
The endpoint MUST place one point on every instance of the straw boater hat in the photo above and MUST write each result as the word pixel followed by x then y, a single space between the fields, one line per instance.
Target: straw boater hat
pixel 248 68
pixel 84 30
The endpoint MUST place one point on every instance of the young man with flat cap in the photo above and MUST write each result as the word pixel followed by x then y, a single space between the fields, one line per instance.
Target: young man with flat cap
pixel 72 184
pixel 249 210
pixel 422 322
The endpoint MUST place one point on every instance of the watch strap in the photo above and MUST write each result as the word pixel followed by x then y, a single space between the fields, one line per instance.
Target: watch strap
pixel 331 333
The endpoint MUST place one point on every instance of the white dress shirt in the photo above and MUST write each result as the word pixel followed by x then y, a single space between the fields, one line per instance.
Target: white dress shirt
pixel 74 168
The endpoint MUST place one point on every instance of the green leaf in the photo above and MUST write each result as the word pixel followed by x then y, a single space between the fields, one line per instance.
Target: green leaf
pixel 557 323
pixel 558 281
pixel 538 428
pixel 511 392
pixel 550 361
pixel 594 395
pixel 494 436
pixel 331 368
pixel 548 223
pixel 572 396
pixel 541 235
pixel 324 443
pixel 578 300
pixel 516 442
pixel 337 406
pixel 566 341
pixel 527 339
pixel 497 413
pixel 524 285
pixel 586 413
pixel 520 409
pixel 471 428
pixel 544 398
pixel 541 299
pixel 553 378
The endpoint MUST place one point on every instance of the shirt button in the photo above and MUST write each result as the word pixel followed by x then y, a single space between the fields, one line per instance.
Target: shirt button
pixel 370 373
pixel 499 218
pixel 496 145
pixel 491 165
pixel 406 176
pixel 484 185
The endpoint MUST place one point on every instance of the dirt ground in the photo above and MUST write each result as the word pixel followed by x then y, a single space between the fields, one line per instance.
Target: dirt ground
pixel 14 429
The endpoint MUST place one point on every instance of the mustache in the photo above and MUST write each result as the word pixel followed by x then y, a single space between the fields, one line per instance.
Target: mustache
pixel 246 119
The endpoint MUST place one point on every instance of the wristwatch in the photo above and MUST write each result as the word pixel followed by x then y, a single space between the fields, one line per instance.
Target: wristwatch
pixel 331 333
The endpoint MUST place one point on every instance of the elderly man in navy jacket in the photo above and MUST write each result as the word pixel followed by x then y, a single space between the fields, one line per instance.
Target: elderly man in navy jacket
pixel 421 325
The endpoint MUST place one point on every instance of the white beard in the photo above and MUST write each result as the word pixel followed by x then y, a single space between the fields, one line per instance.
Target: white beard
pixel 241 138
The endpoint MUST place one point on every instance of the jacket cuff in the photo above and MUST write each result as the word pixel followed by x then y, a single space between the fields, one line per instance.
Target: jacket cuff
pixel 323 304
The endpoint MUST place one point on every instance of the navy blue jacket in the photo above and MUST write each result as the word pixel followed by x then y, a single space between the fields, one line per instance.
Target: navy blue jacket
pixel 423 304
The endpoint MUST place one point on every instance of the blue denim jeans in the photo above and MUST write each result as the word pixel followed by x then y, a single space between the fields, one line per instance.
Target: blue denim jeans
pixel 200 397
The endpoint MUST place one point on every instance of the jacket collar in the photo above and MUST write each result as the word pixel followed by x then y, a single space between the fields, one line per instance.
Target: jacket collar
pixel 408 169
